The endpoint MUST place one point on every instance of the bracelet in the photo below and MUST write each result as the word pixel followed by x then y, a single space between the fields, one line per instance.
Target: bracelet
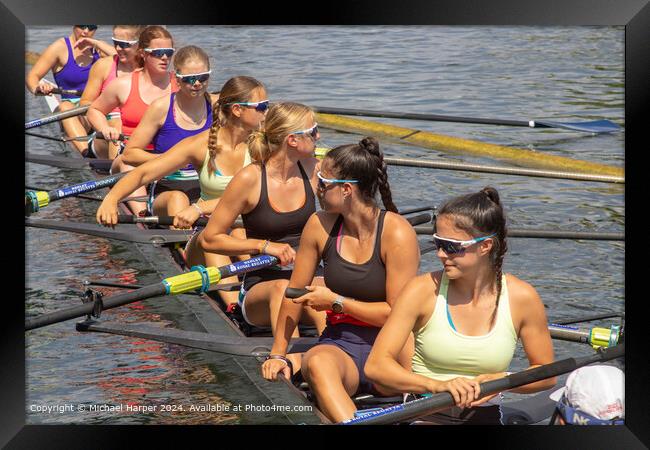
pixel 282 358
pixel 198 207
pixel 266 244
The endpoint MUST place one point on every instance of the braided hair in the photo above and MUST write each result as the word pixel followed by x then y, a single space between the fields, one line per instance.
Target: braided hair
pixel 364 162
pixel 235 90
pixel 481 214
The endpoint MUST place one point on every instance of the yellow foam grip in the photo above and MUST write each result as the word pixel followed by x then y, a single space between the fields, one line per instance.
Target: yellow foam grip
pixel 190 281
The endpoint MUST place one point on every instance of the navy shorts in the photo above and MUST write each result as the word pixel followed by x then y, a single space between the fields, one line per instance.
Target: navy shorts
pixel 357 342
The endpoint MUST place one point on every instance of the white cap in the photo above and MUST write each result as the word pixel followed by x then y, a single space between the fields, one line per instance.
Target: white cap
pixel 597 390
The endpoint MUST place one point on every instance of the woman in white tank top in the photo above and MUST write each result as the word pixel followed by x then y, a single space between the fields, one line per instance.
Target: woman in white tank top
pixel 466 319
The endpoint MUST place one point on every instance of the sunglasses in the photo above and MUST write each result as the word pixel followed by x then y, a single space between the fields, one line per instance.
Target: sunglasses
pixel 260 106
pixel 192 78
pixel 122 43
pixel 160 52
pixel 313 131
pixel 88 27
pixel 325 183
pixel 453 247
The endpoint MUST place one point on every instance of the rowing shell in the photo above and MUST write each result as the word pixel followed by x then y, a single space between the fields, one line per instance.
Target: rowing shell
pixel 211 317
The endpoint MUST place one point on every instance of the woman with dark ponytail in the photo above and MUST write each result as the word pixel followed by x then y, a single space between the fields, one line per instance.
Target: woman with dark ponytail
pixel 466 319
pixel 369 255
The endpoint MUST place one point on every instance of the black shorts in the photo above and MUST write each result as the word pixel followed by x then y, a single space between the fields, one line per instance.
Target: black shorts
pixel 190 188
pixel 356 341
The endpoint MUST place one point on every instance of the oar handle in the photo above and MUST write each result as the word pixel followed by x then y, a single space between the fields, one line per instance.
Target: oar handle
pixel 443 400
pixel 100 135
pixel 157 220
pixel 295 292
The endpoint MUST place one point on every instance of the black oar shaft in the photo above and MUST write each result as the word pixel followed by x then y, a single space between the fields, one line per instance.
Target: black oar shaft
pixel 416 116
pixel 87 308
pixel 545 234
pixel 444 400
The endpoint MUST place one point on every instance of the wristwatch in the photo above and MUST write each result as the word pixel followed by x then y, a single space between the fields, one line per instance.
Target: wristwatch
pixel 337 306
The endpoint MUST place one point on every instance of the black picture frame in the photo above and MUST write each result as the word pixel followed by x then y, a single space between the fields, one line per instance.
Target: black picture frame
pixel 633 14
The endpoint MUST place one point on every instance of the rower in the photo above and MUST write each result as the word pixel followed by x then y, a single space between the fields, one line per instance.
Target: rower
pixel 133 94
pixel 217 154
pixel 167 121
pixel 124 62
pixel 466 318
pixel 275 197
pixel 369 255
pixel 593 395
pixel 70 59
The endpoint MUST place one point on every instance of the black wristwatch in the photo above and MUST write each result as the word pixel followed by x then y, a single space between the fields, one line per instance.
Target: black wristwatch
pixel 337 306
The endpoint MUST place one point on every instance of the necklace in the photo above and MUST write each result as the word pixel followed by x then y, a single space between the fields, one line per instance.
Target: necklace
pixel 188 118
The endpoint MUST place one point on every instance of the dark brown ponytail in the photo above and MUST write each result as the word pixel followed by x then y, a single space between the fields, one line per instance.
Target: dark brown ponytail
pixel 364 162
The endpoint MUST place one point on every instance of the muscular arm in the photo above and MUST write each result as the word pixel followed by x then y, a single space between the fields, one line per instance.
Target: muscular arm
pixel 96 77
pixel 105 103
pixel 533 331
pixel 215 237
pixel 408 312
pixel 152 120
pixel 48 60
pixel 307 259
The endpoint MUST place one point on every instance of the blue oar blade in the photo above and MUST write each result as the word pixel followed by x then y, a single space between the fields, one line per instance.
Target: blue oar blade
pixel 595 126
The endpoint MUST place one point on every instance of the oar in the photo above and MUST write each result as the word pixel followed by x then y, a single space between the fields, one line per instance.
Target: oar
pixel 64 92
pixel 597 337
pixel 199 278
pixel 35 200
pixel 65 162
pixel 56 117
pixel 231 345
pixel 590 318
pixel 544 234
pixel 96 135
pixel 594 126
pixel 444 400
pixel 228 287
pixel 129 234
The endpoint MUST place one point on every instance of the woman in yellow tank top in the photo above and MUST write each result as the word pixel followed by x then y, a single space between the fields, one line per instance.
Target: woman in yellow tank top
pixel 217 154
pixel 466 319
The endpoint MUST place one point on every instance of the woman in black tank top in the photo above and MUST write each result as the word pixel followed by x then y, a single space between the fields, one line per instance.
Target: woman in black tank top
pixel 369 255
pixel 275 197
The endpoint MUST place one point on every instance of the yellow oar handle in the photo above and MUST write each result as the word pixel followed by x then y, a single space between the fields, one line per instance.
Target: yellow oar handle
pixel 37 199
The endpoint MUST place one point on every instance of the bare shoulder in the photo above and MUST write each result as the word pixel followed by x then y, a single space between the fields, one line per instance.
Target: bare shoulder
pixel 160 105
pixel 521 293
pixel 418 288
pixel 323 219
pixel 248 176
pixel 397 229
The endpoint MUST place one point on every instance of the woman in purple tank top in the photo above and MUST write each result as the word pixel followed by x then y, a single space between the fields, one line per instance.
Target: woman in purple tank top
pixel 69 59
pixel 167 121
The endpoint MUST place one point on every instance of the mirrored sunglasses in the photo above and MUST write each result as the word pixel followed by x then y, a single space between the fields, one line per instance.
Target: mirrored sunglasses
pixel 88 27
pixel 324 183
pixel 192 78
pixel 313 131
pixel 122 43
pixel 260 106
pixel 160 52
pixel 452 246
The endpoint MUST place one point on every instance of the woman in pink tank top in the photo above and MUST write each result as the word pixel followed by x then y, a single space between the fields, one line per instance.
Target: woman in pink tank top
pixel 133 94
pixel 125 40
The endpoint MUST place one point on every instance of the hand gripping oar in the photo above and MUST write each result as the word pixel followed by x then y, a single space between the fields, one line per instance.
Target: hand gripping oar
pixel 594 126
pixel 444 400
pixel 56 117
pixel 198 278
pixel 64 92
pixel 35 200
